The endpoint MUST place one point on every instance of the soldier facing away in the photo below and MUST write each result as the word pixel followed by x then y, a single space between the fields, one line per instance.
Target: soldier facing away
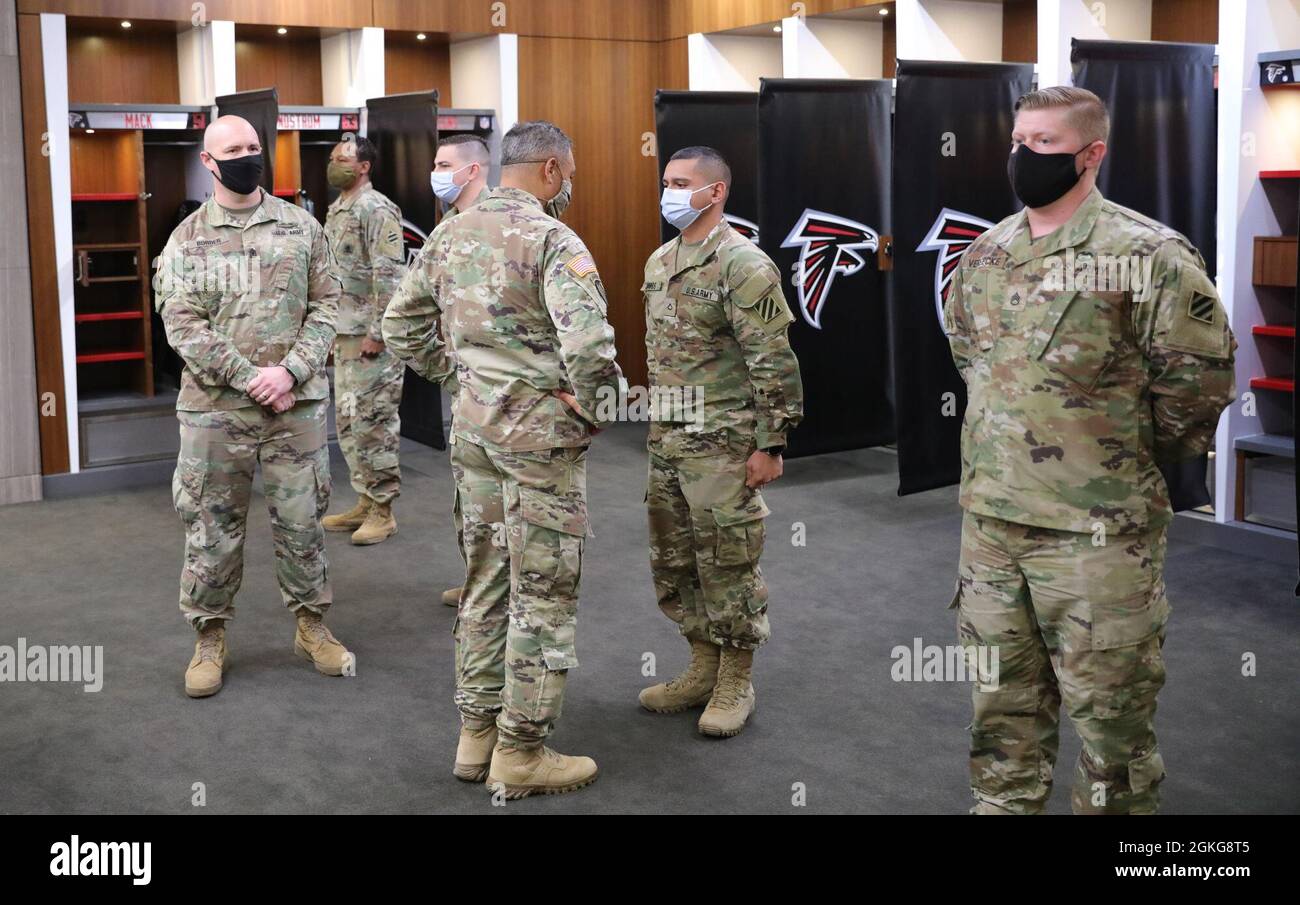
pixel 248 300
pixel 716 330
pixel 1080 386
pixel 365 234
pixel 526 332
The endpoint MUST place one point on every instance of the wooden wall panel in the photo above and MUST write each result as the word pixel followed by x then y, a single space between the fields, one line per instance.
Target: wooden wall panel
pixel 412 65
pixel 1020 31
pixel 674 65
pixel 888 48
pixel 1193 21
pixel 616 203
pixel 288 163
pixel 321 13
pixel 268 60
pixel 40 234
pixel 627 20
pixel 116 66
pixel 686 17
pixel 105 162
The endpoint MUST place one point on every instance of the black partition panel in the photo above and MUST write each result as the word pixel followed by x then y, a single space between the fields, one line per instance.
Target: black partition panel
pixel 825 155
pixel 1162 160
pixel 262 109
pixel 404 128
pixel 952 132
pixel 726 121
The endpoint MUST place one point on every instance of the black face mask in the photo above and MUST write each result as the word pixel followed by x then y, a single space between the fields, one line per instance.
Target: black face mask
pixel 1040 179
pixel 241 174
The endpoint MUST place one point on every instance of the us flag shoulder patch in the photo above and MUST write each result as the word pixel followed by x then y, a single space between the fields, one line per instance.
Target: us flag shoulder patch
pixel 581 266
pixel 1201 308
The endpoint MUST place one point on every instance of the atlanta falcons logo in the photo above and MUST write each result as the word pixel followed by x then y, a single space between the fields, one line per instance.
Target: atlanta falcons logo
pixel 413 238
pixel 830 247
pixel 747 228
pixel 950 235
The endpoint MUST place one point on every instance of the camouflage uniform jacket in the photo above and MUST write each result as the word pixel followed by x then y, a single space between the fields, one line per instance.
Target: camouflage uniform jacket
pixel 1082 376
pixel 716 320
pixel 525 316
pixel 365 233
pixel 235 298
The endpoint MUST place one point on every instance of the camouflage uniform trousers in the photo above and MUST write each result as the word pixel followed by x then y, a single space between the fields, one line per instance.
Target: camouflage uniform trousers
pixel 368 393
pixel 706 537
pixel 212 487
pixel 524 524
pixel 1071 622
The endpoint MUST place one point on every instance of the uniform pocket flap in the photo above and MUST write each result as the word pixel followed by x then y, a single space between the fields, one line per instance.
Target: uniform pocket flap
pixel 1128 623
pixel 558 648
pixel 730 516
pixel 546 510
pixel 1046 328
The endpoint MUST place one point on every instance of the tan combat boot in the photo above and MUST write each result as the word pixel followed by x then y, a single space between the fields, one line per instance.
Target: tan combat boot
pixel 378 527
pixel 733 698
pixel 522 772
pixel 451 596
pixel 351 520
pixel 203 677
pixel 317 643
pixel 474 753
pixel 692 688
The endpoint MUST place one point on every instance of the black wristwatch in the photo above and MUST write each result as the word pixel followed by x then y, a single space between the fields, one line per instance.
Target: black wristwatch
pixel 774 451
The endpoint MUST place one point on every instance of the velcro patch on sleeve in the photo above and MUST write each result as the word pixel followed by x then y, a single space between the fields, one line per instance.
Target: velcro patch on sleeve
pixel 581 266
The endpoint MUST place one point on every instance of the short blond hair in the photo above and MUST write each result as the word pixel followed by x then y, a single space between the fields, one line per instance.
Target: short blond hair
pixel 1085 112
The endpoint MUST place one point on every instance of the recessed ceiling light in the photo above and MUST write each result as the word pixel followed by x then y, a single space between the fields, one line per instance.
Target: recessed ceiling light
pixel 282 30
pixel 90 131
pixel 776 28
pixel 421 36
pixel 884 11
pixel 126 24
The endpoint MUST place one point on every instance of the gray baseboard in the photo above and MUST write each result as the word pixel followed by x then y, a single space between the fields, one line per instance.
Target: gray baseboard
pixel 1258 541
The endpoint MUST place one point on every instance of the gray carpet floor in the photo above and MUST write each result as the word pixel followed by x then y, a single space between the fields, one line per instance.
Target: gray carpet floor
pixel 833 730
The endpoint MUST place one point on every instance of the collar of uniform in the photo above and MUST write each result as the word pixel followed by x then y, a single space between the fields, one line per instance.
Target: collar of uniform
pixel 342 202
pixel 216 215
pixel 513 194
pixel 482 193
pixel 702 252
pixel 1069 234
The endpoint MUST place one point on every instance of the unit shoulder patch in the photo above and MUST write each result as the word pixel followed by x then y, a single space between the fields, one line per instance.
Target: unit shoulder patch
pixel 1201 308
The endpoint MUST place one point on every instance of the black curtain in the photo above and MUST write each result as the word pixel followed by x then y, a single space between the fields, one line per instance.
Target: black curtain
pixel 726 121
pixel 952 134
pixel 262 109
pixel 404 128
pixel 1163 159
pixel 824 208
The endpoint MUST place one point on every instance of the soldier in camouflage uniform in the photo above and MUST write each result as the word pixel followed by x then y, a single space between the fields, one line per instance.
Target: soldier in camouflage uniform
pixel 365 234
pixel 246 294
pixel 459 179
pixel 1080 387
pixel 525 323
pixel 716 323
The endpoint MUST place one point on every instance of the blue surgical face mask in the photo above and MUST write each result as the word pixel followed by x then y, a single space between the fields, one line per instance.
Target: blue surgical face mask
pixel 676 206
pixel 444 184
